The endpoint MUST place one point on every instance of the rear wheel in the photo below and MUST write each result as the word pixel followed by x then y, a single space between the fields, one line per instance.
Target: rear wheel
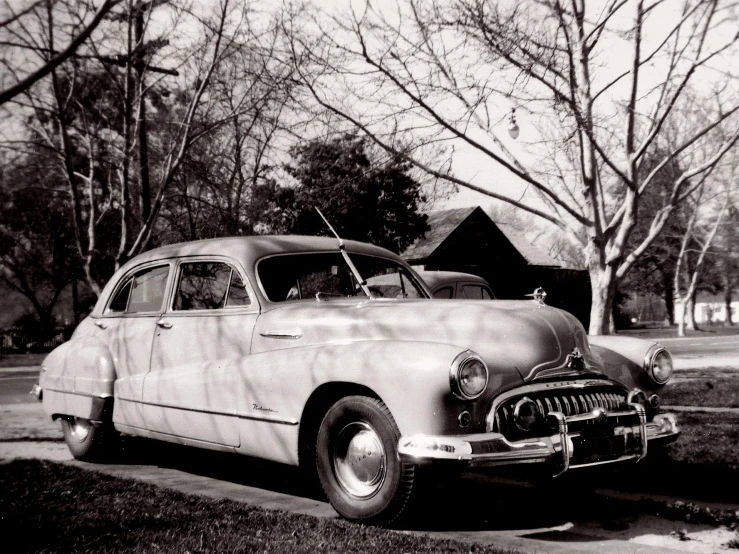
pixel 358 464
pixel 88 441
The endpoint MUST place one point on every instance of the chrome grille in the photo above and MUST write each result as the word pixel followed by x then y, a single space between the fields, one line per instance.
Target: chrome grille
pixel 569 402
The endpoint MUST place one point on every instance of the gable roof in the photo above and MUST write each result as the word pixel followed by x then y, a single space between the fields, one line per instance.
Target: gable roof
pixel 442 223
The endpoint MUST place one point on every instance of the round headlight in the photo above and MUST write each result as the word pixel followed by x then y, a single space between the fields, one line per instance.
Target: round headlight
pixel 469 376
pixel 660 366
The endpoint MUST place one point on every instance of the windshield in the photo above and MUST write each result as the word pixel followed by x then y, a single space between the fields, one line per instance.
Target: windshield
pixel 326 274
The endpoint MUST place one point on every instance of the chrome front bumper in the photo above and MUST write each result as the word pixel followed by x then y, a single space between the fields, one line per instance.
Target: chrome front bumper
pixel 558 449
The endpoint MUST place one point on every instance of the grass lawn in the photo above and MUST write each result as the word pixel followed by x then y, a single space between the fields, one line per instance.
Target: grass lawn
pixel 49 507
pixel 716 387
pixel 702 465
pixel 708 439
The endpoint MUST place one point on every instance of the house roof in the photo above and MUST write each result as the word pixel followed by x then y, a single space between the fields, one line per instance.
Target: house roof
pixel 441 224
pixel 444 222
pixel 532 254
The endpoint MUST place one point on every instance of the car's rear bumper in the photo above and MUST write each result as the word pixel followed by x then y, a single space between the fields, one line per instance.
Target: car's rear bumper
pixel 620 443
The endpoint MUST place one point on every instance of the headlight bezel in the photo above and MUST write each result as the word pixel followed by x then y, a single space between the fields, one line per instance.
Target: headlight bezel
pixel 650 362
pixel 455 372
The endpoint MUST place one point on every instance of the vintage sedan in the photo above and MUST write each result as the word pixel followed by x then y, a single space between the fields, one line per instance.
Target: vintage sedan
pixel 454 284
pixel 334 356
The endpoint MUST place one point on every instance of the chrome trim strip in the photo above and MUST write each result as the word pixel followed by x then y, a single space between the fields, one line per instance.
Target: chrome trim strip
pixel 294 335
pixel 143 431
pixel 539 387
pixel 77 393
pixel 267 418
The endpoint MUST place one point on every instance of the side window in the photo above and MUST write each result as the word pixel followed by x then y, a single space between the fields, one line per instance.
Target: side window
pixel 472 292
pixel 147 290
pixel 445 292
pixel 209 286
pixel 120 300
pixel 486 294
pixel 237 293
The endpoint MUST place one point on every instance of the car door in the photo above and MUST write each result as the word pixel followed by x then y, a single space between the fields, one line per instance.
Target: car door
pixel 192 387
pixel 127 328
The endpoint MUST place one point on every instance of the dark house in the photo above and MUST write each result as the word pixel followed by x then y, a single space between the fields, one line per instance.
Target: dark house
pixel 467 240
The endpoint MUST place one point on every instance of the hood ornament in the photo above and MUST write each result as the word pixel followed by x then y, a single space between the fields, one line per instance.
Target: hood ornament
pixel 575 360
pixel 540 295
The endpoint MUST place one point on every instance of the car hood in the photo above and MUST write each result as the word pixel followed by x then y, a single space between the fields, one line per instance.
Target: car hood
pixel 519 337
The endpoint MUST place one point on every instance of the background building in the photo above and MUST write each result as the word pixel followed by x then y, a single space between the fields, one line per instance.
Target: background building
pixel 468 240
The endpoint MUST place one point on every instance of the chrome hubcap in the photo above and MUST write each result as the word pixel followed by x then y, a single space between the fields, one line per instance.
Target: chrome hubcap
pixel 359 460
pixel 80 428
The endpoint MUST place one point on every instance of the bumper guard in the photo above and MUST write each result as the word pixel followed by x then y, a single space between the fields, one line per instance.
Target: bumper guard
pixel 493 449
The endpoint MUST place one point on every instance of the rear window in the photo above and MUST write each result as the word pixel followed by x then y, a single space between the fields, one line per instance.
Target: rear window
pixel 445 292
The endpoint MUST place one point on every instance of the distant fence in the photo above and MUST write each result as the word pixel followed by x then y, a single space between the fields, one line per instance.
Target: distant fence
pixel 13 341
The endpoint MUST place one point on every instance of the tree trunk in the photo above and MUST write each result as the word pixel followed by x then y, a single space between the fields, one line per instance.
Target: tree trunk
pixel 75 302
pixel 691 313
pixel 601 307
pixel 139 66
pixel 680 316
pixel 728 322
pixel 669 300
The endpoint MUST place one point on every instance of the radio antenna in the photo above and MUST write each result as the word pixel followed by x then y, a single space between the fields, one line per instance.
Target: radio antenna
pixel 347 259
pixel 341 242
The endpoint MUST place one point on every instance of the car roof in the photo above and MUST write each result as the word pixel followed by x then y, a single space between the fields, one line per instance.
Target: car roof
pixel 256 247
pixel 247 250
pixel 438 278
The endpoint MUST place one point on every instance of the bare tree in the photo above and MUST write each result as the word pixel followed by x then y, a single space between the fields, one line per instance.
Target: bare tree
pixel 50 57
pixel 686 281
pixel 447 73
pixel 94 119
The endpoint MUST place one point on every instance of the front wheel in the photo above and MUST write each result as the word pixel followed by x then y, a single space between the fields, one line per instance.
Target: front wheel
pixel 358 464
pixel 88 441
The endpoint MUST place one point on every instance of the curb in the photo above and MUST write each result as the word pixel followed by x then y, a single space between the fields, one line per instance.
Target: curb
pixel 703 409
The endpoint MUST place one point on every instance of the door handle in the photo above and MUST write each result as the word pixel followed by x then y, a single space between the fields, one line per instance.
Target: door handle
pixel 164 324
pixel 101 324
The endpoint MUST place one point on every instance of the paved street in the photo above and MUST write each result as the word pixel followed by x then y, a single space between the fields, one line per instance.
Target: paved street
pixel 707 351
pixel 15 385
pixel 703 346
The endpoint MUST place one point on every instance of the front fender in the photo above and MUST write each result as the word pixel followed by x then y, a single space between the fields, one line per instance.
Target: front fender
pixel 623 359
pixel 411 378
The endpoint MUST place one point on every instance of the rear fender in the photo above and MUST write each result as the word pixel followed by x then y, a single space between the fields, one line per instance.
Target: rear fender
pixel 77 380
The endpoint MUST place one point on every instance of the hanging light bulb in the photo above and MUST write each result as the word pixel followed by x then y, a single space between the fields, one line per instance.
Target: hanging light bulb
pixel 513 129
